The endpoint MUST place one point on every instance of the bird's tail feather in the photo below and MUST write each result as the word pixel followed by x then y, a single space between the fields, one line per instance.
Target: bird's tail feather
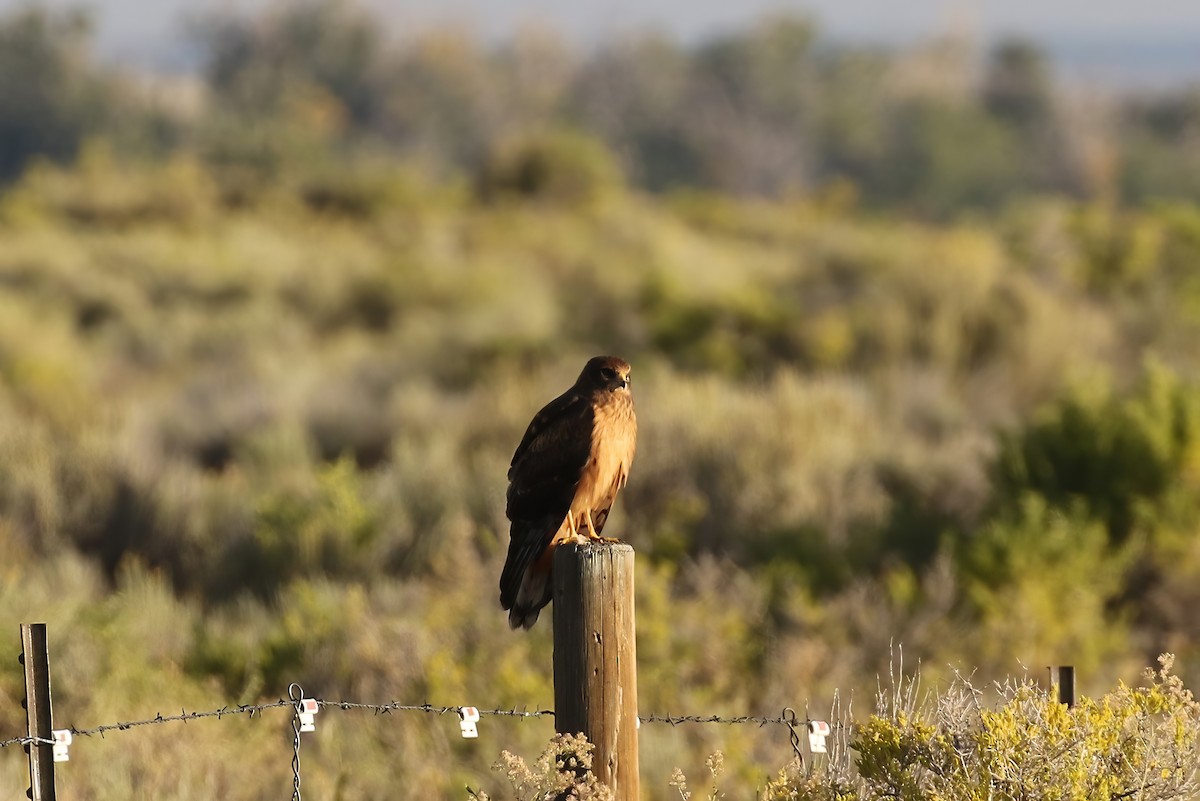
pixel 528 540
pixel 522 617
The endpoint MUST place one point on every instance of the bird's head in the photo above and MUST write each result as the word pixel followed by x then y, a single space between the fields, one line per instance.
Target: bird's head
pixel 605 373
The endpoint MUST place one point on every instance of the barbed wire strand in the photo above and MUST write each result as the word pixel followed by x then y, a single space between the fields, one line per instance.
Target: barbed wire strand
pixel 758 720
pixel 395 706
pixel 787 718
pixel 183 716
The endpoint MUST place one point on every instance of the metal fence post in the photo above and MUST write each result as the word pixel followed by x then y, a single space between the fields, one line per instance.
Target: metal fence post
pixel 1063 677
pixel 36 660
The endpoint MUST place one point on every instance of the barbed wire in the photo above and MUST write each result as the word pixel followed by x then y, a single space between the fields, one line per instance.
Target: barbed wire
pixel 183 716
pixel 787 718
pixel 674 720
pixel 395 706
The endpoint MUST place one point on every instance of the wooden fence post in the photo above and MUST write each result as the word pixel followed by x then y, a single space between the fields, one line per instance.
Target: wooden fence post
pixel 595 658
pixel 36 660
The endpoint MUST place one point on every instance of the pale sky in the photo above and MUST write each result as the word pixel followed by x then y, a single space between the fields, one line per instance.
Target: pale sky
pixel 141 31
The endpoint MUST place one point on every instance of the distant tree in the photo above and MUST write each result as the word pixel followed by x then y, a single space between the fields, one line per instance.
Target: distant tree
pixel 534 73
pixel 1161 148
pixel 258 65
pixel 852 124
pixel 633 94
pixel 945 158
pixel 445 100
pixel 1018 91
pixel 289 85
pixel 751 105
pixel 51 96
pixel 1018 85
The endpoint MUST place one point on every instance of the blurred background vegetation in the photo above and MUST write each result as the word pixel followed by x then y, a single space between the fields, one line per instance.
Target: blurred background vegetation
pixel 913 331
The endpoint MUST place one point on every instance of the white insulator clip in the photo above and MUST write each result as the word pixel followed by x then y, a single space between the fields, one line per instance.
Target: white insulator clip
pixel 468 717
pixel 62 744
pixel 307 710
pixel 818 730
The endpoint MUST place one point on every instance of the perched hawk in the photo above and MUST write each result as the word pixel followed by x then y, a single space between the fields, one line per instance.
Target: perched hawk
pixel 564 477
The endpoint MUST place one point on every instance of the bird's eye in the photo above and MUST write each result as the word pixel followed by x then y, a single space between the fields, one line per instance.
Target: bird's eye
pixel 608 372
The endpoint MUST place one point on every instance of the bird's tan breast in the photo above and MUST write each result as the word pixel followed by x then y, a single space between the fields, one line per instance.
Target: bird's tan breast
pixel 614 442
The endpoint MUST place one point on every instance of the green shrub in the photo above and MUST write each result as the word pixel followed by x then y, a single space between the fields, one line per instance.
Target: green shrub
pixel 106 193
pixel 1114 455
pixel 324 529
pixel 1054 566
pixel 552 167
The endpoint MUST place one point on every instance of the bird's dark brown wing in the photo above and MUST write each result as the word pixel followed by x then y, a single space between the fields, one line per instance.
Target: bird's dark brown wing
pixel 550 459
pixel 545 471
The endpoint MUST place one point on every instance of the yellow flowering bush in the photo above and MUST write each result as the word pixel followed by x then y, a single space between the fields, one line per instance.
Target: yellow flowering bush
pixel 1132 743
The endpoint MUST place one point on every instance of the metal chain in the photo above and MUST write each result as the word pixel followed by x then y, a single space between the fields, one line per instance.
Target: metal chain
pixel 296 693
pixel 789 720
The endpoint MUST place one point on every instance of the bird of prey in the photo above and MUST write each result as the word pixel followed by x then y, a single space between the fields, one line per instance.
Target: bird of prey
pixel 566 473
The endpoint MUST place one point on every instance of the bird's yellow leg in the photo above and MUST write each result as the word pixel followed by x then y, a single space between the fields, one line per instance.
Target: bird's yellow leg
pixel 593 535
pixel 573 528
